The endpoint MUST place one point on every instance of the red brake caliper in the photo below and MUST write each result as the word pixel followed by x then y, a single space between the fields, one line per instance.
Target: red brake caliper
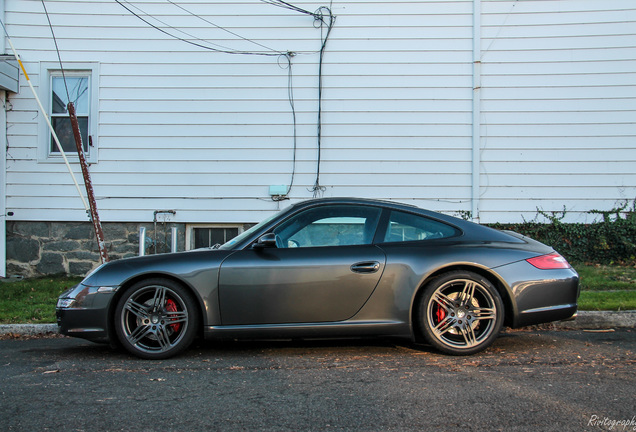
pixel 440 313
pixel 171 306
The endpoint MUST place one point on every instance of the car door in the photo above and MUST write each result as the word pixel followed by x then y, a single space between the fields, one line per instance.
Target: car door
pixel 323 269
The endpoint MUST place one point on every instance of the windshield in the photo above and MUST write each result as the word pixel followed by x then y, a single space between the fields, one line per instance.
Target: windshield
pixel 230 244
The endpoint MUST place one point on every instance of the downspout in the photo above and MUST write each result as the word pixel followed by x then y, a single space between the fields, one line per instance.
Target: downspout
pixel 476 118
pixel 3 167
pixel 3 186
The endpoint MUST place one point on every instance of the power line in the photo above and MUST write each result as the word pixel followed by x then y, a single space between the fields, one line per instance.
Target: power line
pixel 222 28
pixel 325 19
pixel 223 49
pixel 285 5
pixel 57 49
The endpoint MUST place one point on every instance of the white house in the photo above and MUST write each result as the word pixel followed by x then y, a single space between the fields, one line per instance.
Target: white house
pixel 485 108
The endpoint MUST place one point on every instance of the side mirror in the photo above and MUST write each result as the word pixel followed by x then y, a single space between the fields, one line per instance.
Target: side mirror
pixel 265 241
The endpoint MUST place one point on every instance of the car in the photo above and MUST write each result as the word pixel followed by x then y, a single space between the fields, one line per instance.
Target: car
pixel 329 268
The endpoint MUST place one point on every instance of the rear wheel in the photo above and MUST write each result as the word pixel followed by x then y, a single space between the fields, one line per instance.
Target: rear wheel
pixel 460 313
pixel 156 319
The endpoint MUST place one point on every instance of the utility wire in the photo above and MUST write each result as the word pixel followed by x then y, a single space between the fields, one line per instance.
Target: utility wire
pixel 325 19
pixel 57 49
pixel 224 50
pixel 318 189
pixel 285 5
pixel 222 28
pixel 290 96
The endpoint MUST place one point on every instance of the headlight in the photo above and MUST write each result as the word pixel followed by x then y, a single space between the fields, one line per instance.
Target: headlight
pixel 65 303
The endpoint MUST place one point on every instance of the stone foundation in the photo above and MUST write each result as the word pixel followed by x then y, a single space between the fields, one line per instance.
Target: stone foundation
pixel 49 248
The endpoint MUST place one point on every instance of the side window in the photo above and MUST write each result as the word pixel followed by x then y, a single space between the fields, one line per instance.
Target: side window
pixel 330 226
pixel 411 227
pixel 79 87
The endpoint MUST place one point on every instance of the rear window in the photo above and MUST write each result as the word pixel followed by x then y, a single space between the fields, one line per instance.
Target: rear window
pixel 411 227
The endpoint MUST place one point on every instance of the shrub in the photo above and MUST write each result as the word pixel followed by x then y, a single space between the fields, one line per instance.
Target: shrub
pixel 611 240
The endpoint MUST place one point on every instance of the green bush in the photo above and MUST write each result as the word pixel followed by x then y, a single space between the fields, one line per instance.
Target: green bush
pixel 611 240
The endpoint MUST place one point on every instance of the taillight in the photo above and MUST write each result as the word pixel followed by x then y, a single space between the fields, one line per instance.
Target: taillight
pixel 549 262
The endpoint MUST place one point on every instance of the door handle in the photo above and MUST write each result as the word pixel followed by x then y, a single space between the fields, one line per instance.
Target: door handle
pixel 366 267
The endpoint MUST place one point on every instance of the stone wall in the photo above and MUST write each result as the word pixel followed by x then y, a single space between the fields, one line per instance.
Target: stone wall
pixel 48 248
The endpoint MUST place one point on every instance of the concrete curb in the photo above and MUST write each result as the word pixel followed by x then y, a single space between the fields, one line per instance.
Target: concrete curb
pixel 597 320
pixel 27 329
pixel 586 320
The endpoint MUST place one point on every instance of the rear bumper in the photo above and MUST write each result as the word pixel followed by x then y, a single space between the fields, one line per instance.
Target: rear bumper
pixel 540 296
pixel 547 314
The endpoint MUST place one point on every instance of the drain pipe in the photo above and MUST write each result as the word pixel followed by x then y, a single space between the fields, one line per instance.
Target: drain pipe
pixel 476 118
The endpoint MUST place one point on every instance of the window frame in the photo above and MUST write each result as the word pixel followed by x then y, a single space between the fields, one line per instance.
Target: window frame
pixel 380 238
pixel 288 223
pixel 71 69
pixel 189 238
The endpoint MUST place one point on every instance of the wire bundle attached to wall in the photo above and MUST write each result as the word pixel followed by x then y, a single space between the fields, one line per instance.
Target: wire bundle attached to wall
pixel 323 18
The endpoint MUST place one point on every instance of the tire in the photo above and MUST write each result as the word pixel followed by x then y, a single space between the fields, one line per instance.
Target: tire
pixel 156 319
pixel 460 313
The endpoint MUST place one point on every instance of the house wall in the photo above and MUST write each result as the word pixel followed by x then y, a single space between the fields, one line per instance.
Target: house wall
pixel 206 133
pixel 49 248
pixel 558 107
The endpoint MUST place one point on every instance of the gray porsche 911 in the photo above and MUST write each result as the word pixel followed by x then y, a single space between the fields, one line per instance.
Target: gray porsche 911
pixel 329 268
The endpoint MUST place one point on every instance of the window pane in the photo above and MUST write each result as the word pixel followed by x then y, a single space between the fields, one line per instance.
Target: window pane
pixel 330 226
pixel 206 237
pixel 77 90
pixel 62 127
pixel 411 227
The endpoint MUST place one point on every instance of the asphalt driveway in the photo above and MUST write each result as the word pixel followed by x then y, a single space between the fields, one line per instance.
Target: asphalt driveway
pixel 528 380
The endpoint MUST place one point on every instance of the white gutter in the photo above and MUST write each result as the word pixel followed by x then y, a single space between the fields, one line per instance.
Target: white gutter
pixel 476 118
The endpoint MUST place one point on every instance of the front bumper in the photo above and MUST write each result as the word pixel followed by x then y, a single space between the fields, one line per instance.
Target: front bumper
pixel 83 323
pixel 87 313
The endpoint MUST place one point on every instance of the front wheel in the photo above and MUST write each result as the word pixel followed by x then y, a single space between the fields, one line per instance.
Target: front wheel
pixel 460 313
pixel 156 319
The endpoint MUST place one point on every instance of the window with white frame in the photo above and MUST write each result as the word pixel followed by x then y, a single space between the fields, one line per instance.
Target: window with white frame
pixel 64 89
pixel 203 235
pixel 76 85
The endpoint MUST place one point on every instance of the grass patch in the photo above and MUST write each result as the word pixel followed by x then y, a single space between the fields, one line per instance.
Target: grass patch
pixel 605 287
pixel 606 278
pixel 607 300
pixel 32 301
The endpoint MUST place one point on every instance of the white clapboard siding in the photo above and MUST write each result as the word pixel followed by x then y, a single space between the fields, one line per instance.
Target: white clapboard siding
pixel 205 133
pixel 558 107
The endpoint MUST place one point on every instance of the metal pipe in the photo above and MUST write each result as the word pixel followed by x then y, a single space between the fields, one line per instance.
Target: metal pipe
pixel 173 246
pixel 142 241
pixel 476 117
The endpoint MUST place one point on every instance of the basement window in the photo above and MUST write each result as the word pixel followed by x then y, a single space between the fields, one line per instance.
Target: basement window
pixel 79 87
pixel 202 236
